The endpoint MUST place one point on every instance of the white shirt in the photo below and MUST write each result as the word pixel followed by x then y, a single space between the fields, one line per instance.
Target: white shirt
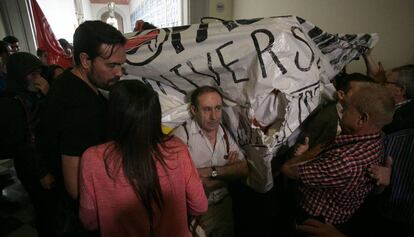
pixel 204 154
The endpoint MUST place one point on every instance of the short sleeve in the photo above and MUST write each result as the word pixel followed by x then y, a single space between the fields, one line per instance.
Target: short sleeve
pixel 87 200
pixel 195 195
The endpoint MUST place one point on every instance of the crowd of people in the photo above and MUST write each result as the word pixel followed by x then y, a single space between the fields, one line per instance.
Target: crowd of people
pixel 97 166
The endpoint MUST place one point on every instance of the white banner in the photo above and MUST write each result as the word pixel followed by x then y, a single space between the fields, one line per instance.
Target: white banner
pixel 272 72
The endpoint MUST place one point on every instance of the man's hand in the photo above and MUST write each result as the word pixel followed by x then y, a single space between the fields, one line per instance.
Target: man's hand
pixel 41 84
pixel 204 172
pixel 316 228
pixel 48 181
pixel 212 184
pixel 381 174
pixel 301 148
pixel 232 157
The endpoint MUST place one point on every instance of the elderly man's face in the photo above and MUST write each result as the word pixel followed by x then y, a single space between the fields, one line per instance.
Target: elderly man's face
pixel 396 90
pixel 208 111
pixel 351 117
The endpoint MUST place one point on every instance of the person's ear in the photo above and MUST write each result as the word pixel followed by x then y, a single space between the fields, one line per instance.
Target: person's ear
pixel 340 94
pixel 85 60
pixel 363 118
pixel 403 91
pixel 193 109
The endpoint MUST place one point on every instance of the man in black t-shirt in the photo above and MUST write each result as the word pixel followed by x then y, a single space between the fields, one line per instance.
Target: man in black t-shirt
pixel 75 109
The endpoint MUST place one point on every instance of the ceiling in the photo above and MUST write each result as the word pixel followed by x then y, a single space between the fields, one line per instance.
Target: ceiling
pixel 118 2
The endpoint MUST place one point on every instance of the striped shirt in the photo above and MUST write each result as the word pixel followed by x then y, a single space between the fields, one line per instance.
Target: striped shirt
pixel 336 182
pixel 397 201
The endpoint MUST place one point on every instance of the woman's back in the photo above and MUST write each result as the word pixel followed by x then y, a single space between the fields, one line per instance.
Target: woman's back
pixel 111 205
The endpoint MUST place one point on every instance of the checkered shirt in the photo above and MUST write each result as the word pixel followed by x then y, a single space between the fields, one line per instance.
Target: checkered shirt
pixel 336 182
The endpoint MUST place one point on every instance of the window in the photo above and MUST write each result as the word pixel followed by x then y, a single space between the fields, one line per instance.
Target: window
pixel 161 13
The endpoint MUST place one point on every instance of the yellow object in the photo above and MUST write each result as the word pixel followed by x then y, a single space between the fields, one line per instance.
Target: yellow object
pixel 165 129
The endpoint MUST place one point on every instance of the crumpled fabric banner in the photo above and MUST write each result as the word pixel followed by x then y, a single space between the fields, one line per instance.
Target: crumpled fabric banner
pixel 273 73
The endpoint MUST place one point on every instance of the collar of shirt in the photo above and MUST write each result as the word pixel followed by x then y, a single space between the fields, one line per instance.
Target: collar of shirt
pixel 398 105
pixel 195 128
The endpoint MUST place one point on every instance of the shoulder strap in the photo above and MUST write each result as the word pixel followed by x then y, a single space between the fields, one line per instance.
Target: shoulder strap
pixel 226 139
pixel 186 131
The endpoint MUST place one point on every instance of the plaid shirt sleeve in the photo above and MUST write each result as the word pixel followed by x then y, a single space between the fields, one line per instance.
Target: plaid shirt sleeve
pixel 326 172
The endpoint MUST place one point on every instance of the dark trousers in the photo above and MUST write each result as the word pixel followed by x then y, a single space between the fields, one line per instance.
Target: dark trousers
pixel 44 204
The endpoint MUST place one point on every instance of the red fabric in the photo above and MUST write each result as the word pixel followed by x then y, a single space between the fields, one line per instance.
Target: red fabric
pixel 112 206
pixel 46 39
pixel 336 183
pixel 137 41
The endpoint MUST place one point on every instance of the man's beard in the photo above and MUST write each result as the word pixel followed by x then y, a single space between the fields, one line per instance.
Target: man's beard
pixel 105 86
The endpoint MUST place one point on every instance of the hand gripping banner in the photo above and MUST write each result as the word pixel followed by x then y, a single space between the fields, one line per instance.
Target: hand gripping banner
pixel 273 72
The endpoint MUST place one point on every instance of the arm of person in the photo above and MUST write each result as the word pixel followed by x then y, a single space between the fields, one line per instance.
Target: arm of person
pixel 290 168
pixel 381 174
pixel 70 170
pixel 88 213
pixel 316 228
pixel 226 173
pixel 374 70
pixel 232 171
pixel 196 198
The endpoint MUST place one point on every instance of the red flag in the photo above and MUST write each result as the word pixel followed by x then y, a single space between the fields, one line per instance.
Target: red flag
pixel 46 39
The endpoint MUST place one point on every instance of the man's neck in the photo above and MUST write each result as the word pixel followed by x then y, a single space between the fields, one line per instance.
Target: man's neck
pixel 81 73
pixel 211 135
pixel 366 131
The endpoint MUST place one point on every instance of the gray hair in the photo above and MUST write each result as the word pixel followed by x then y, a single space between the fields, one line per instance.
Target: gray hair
pixel 405 78
pixel 374 100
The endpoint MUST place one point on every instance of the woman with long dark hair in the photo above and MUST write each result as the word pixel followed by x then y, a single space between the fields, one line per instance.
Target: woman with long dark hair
pixel 141 182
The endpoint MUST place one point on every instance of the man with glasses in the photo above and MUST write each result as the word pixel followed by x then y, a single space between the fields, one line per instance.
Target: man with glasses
pixel 400 83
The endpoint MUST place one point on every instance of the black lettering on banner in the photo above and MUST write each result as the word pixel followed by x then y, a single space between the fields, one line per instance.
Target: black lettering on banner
pixel 161 88
pixel 329 45
pixel 202 33
pixel 248 21
pixel 303 69
pixel 190 64
pixel 315 32
pixel 230 25
pixel 146 82
pixel 349 37
pixel 300 108
pixel 300 20
pixel 318 63
pixel 174 85
pixel 176 38
pixel 303 96
pixel 210 67
pixel 322 38
pixel 175 70
pixel 152 57
pixel 176 42
pixel 226 66
pixel 268 49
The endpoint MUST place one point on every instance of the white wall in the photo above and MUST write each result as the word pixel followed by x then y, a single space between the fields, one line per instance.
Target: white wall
pixel 86 5
pixel 226 13
pixel 98 9
pixel 16 21
pixel 393 20
pixel 62 22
